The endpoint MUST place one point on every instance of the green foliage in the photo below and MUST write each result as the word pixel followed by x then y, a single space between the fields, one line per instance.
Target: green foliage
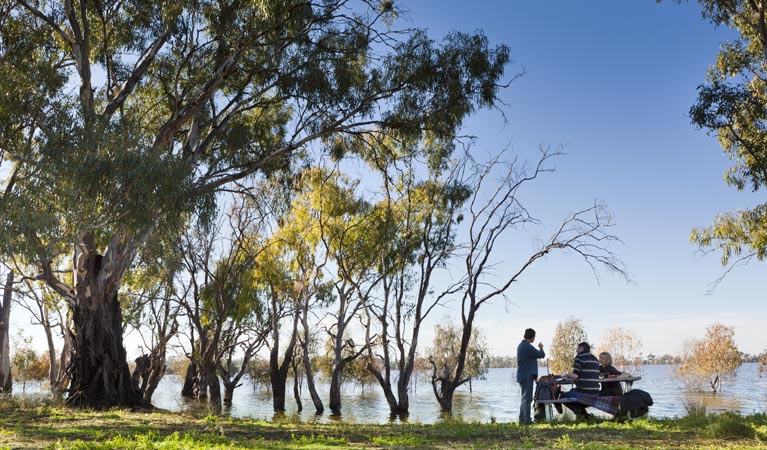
pixel 446 348
pixel 26 363
pixel 567 336
pixel 319 440
pixel 179 100
pixel 732 105
pixel 403 440
pixel 730 426
pixel 564 441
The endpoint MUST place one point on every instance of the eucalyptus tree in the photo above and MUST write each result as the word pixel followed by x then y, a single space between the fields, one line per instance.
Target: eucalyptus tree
pixel 331 206
pixel 47 310
pixel 732 106
pixel 153 312
pixel 297 242
pixel 241 340
pixel 494 209
pixel 447 347
pixel 272 274
pixel 567 335
pixel 711 360
pixel 118 118
pixel 6 380
pixel 416 219
pixel 223 305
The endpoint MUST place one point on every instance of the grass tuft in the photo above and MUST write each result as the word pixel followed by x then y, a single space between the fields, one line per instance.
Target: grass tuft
pixel 730 426
pixel 403 440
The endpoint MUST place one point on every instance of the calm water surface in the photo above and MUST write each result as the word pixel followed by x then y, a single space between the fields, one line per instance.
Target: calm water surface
pixel 496 397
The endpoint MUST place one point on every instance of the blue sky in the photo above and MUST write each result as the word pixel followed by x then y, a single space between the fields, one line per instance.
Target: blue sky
pixel 613 82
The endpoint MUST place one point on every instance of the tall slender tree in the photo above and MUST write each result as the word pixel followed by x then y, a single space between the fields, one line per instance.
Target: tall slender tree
pixel 416 219
pixel 6 380
pixel 494 209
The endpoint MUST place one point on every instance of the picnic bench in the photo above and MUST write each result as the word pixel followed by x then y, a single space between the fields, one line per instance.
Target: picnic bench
pixel 609 404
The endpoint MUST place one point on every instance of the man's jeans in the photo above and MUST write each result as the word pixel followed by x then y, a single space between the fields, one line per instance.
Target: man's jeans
pixel 527 399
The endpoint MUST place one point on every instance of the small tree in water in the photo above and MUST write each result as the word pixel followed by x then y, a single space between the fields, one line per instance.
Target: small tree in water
pixel 447 346
pixel 711 360
pixel 567 335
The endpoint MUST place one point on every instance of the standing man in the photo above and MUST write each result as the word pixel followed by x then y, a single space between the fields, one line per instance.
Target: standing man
pixel 586 376
pixel 527 372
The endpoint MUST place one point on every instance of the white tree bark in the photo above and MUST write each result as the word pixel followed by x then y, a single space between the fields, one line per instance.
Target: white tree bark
pixel 6 382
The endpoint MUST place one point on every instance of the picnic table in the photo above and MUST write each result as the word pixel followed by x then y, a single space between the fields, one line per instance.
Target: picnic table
pixel 609 404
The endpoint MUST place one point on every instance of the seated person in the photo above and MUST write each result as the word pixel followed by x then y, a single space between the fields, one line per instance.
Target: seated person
pixel 606 369
pixel 586 375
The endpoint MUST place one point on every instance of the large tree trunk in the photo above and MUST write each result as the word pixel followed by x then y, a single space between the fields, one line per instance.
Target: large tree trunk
pixel 316 399
pixel 407 374
pixel 445 396
pixel 52 360
pixel 278 375
pixel 214 386
pixel 229 392
pixel 336 379
pixel 296 386
pixel 156 372
pixel 6 381
pixel 157 360
pixel 100 377
pixel 61 377
pixel 100 374
pixel 385 384
pixel 190 380
pixel 449 382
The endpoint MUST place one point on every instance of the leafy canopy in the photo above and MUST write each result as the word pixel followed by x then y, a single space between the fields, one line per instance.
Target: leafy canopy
pixel 119 116
pixel 733 106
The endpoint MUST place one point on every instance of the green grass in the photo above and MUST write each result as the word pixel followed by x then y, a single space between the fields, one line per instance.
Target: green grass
pixel 52 427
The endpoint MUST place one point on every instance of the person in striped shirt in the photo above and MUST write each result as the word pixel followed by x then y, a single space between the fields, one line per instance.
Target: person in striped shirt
pixel 586 375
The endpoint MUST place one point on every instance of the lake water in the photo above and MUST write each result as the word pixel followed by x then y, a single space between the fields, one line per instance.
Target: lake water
pixel 496 397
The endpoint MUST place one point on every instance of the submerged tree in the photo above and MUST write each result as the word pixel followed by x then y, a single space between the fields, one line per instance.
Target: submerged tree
pixel 178 100
pixel 493 210
pixel 443 355
pixel 732 105
pixel 415 219
pixel 710 361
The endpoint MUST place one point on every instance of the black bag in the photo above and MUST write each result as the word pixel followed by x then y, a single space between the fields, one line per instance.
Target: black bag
pixel 635 403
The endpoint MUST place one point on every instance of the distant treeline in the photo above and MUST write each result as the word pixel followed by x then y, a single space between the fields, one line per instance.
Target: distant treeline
pixel 499 362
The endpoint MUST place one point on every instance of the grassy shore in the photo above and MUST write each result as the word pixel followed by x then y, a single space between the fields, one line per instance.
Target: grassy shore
pixel 48 427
